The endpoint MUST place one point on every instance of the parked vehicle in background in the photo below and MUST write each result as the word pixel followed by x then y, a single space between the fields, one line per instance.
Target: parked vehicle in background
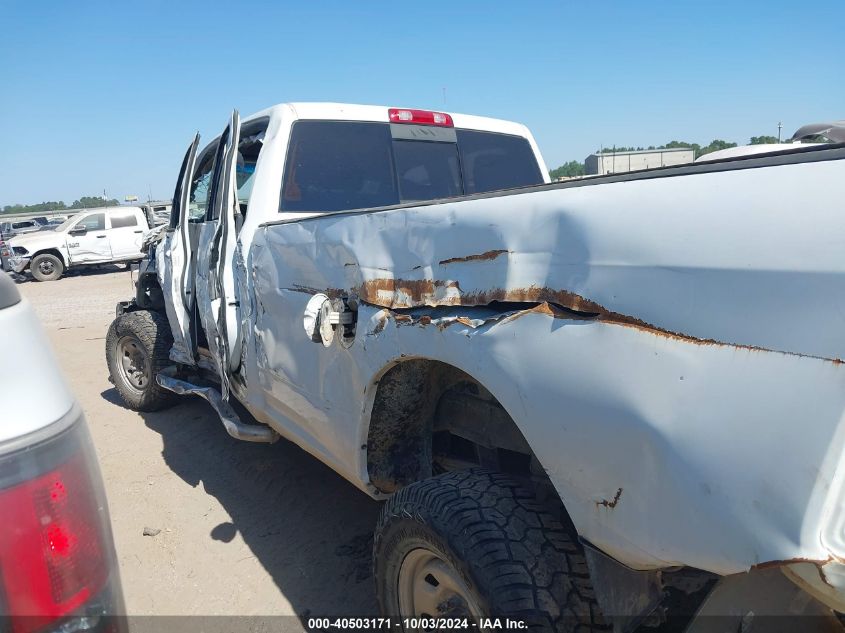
pixel 53 223
pixel 805 137
pixel 158 213
pixel 579 400
pixel 751 150
pixel 5 253
pixel 18 227
pixel 98 236
pixel 58 569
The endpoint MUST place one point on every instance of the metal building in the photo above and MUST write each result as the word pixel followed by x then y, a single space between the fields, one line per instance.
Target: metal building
pixel 620 162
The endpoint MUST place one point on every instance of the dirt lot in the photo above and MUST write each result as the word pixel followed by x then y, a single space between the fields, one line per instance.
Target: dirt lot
pixel 246 529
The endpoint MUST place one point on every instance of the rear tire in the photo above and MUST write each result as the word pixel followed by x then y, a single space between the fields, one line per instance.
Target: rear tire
pixel 46 267
pixel 477 543
pixel 137 348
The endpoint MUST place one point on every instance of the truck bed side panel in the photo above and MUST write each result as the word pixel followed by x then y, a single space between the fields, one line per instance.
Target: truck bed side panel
pixel 670 348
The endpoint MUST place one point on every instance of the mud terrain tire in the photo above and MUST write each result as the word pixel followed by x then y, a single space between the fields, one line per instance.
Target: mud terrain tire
pixel 137 348
pixel 515 557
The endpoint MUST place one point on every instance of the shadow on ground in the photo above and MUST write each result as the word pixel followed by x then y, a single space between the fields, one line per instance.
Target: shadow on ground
pixel 293 512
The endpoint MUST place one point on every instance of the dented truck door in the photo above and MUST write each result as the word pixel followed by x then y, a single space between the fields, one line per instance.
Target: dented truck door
pixel 217 303
pixel 174 265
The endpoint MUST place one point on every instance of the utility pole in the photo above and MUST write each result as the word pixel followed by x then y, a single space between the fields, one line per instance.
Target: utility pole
pixel 780 127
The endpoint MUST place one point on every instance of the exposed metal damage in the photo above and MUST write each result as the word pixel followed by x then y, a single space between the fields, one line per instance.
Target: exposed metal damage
pixel 230 419
pixel 474 258
pixel 612 502
pixel 656 350
pixel 402 294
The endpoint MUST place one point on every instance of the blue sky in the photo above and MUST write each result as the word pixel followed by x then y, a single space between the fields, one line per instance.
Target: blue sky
pixel 107 95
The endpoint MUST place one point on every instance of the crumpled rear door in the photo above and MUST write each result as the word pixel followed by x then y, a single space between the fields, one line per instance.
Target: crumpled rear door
pixel 173 263
pixel 215 278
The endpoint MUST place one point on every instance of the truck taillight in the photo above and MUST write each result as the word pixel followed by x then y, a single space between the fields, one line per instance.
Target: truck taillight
pixel 419 117
pixel 56 561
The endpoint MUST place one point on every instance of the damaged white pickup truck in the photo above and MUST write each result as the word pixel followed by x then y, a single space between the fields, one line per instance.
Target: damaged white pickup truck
pixel 586 402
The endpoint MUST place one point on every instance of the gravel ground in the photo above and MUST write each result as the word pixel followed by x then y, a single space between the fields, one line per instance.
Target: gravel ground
pixel 245 529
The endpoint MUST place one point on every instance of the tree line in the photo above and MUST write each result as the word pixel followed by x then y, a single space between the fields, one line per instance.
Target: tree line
pixel 85 202
pixel 576 168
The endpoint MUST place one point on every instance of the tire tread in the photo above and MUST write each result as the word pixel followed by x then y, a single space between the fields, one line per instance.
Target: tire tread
pixel 153 331
pixel 517 551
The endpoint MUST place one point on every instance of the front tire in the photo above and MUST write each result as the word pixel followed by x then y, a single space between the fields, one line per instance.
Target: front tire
pixel 478 544
pixel 46 267
pixel 137 348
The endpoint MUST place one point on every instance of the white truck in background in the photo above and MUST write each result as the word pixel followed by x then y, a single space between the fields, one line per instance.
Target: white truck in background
pixel 590 404
pixel 99 236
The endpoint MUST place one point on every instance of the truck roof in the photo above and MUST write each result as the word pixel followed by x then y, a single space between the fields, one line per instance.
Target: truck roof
pixel 378 114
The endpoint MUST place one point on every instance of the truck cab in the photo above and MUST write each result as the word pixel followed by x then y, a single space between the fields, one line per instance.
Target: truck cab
pixel 299 160
pixel 95 236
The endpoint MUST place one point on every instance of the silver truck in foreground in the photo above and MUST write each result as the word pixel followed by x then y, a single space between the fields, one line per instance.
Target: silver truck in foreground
pixel 585 403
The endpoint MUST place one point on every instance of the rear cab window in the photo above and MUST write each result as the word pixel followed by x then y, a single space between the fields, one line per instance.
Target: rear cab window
pixel 496 161
pixel 345 165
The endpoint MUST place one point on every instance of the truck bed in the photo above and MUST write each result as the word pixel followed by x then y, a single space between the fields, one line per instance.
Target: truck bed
pixel 669 342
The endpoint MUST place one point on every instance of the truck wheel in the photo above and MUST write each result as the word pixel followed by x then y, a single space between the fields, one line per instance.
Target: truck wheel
pixel 137 348
pixel 46 267
pixel 478 544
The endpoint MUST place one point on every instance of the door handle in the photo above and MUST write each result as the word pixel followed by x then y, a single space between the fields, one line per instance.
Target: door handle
pixel 99 237
pixel 137 231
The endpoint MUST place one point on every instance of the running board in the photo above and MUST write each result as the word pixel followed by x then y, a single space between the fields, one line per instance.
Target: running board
pixel 230 419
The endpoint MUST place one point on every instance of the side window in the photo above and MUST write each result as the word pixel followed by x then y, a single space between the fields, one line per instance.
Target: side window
pixel 200 184
pixel 122 219
pixel 249 147
pixel 93 222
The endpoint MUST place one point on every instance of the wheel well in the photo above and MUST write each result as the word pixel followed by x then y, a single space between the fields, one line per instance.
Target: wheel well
pixel 429 417
pixel 50 251
pixel 148 293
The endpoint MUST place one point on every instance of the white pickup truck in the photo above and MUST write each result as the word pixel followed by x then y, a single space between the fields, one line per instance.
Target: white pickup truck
pixel 587 404
pixel 99 236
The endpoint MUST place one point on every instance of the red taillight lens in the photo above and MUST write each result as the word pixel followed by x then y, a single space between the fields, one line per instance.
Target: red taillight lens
pixel 52 554
pixel 420 117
